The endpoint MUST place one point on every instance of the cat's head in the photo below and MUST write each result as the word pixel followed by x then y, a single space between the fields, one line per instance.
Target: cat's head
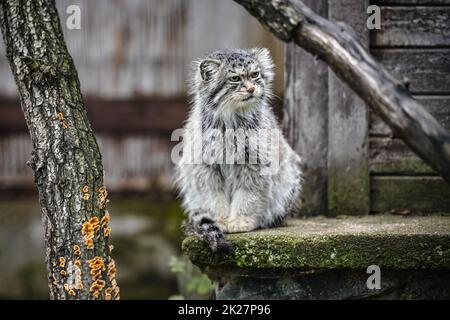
pixel 235 79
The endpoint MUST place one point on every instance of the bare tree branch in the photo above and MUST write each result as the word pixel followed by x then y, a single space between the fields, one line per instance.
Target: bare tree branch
pixel 291 20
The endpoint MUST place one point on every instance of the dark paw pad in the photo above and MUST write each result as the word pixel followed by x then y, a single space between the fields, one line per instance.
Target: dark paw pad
pixel 224 248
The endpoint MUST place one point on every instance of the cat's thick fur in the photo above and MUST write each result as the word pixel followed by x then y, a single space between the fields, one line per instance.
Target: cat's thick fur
pixel 231 91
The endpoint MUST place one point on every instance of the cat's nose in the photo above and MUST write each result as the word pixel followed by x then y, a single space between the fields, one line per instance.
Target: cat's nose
pixel 250 89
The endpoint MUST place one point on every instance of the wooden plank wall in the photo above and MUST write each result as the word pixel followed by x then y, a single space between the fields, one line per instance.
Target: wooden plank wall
pixel 305 119
pixel 133 60
pixel 135 163
pixel 144 47
pixel 369 169
pixel 348 173
pixel 414 44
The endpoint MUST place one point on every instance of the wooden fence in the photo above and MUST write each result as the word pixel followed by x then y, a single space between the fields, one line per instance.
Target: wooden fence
pixel 354 163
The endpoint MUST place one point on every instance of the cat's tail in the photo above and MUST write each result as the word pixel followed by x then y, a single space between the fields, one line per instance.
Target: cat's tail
pixel 203 226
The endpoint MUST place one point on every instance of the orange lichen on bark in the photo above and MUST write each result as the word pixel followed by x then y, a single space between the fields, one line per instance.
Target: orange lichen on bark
pixel 86 195
pixel 76 250
pixel 87 228
pixel 62 262
pixel 97 285
pixel 97 265
pixel 106 232
pixel 102 197
pixel 60 117
pixel 88 231
pixel 112 278
pixel 117 292
pixel 108 292
pixel 95 222
pixel 105 219
pixel 78 280
pixel 111 269
pixel 90 244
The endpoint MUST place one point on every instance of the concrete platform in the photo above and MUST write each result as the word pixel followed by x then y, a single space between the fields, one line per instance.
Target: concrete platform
pixel 330 254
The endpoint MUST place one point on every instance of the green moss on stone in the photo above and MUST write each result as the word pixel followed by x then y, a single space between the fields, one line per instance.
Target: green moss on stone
pixel 344 243
pixel 349 192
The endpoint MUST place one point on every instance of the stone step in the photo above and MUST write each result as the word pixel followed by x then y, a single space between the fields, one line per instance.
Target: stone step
pixel 315 251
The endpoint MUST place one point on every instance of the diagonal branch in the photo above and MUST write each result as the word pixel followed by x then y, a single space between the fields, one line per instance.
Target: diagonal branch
pixel 291 20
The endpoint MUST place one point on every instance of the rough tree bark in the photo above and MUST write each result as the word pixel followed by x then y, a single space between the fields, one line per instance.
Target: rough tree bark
pixel 66 160
pixel 336 43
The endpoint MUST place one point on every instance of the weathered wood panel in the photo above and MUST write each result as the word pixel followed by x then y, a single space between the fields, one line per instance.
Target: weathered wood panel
pixel 438 106
pixel 348 170
pixel 149 116
pixel 306 118
pixel 413 26
pixel 131 163
pixel 15 151
pixel 418 194
pixel 400 179
pixel 410 2
pixel 427 70
pixel 117 117
pixel 393 156
pixel 144 47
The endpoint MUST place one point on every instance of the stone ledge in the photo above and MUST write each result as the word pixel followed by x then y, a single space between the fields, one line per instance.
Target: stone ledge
pixel 388 241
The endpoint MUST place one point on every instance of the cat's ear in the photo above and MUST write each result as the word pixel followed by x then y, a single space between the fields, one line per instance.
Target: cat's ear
pixel 208 68
pixel 263 56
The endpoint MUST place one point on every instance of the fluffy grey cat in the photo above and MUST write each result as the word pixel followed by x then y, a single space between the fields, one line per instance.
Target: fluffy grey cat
pixel 236 172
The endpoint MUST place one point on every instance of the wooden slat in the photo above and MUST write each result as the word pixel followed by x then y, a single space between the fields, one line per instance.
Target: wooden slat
pixel 393 156
pixel 418 194
pixel 155 116
pixel 131 162
pixel 306 118
pixel 412 26
pixel 147 115
pixel 428 70
pixel 348 172
pixel 144 47
pixel 438 106
pixel 410 2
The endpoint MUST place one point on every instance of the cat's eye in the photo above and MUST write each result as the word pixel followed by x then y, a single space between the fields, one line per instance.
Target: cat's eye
pixel 234 78
pixel 255 74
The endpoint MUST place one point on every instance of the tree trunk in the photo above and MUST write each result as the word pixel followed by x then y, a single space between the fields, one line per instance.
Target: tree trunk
pixel 336 43
pixel 66 159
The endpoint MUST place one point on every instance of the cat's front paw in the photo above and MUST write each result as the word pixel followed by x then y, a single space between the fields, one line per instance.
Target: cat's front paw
pixel 222 223
pixel 241 224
